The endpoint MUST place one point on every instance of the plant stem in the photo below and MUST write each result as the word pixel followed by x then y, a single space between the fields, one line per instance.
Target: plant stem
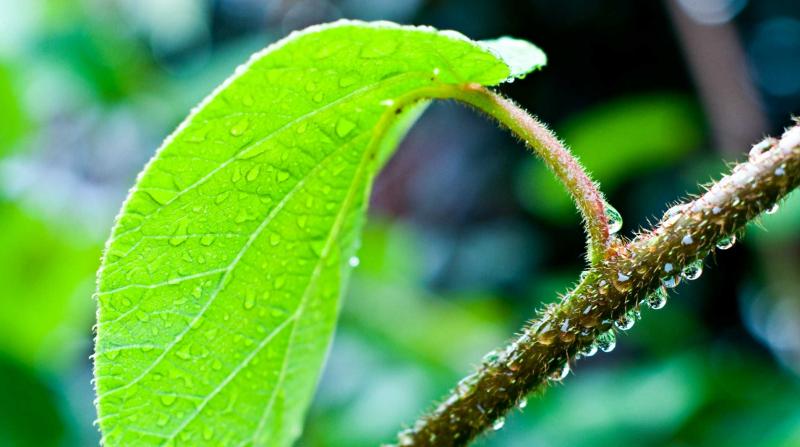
pixel 555 155
pixel 611 289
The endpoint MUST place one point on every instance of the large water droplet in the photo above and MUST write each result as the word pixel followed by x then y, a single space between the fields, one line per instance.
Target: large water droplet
pixel 726 242
pixel 606 341
pixel 354 261
pixel 671 282
pixel 589 350
pixel 614 219
pixel 657 299
pixel 626 321
pixel 693 270
pixel 498 423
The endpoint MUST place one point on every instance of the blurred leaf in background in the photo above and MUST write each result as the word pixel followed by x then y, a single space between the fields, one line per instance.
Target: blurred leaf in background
pixel 616 141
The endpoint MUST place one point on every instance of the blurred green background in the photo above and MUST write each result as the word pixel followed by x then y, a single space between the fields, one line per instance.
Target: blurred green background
pixel 468 233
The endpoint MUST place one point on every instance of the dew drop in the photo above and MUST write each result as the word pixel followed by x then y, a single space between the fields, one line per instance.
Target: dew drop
pixel 780 171
pixel 208 433
pixel 252 174
pixel 589 350
pixel 726 242
pixel 183 354
pixel 216 365
pixel 491 357
pixel 162 420
pixel 250 300
pixel 344 126
pixel 606 341
pixel 168 399
pixel 614 219
pixel 378 48
pixel 207 240
pixel 387 102
pixel 559 374
pixel 626 321
pixel 239 128
pixel 687 240
pixel 759 148
pixel 657 299
pixel 693 270
pixel 274 239
pixel 318 97
pixel 498 423
pixel 671 282
pixel 668 267
pixel 405 438
pixel 522 403
pixel 354 261
pixel 247 100
pixel 282 176
pixel 302 221
pixel 773 210
pixel 222 197
pixel 179 236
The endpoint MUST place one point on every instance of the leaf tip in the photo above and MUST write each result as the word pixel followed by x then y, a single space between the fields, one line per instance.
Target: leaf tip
pixel 521 56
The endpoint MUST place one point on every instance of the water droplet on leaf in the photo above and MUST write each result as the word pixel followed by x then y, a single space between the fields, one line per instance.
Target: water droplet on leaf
pixel 344 126
pixel 239 128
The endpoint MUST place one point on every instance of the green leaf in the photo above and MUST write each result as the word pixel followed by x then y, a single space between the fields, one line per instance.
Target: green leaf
pixel 220 285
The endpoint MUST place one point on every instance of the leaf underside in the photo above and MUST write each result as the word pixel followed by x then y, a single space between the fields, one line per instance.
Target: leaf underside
pixel 220 285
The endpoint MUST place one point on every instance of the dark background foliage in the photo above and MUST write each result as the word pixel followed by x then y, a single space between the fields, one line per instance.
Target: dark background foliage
pixel 468 234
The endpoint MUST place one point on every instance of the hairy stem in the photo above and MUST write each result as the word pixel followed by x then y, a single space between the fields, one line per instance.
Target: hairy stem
pixel 585 193
pixel 612 289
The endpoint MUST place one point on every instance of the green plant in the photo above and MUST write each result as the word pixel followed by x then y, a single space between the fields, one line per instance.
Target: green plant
pixel 220 284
